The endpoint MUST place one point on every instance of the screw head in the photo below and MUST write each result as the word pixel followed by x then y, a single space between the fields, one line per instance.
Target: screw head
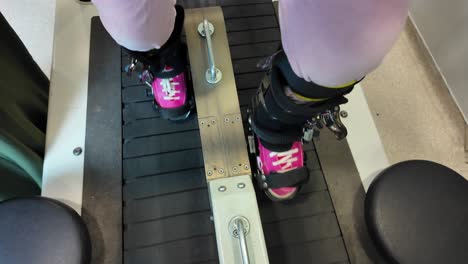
pixel 213 121
pixel 221 171
pixel 209 173
pixel 226 119
pixel 234 169
pixel 222 188
pixel 246 167
pixel 344 114
pixel 241 185
pixel 77 151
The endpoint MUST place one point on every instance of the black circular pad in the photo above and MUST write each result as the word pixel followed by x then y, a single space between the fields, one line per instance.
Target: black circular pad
pixel 417 212
pixel 42 231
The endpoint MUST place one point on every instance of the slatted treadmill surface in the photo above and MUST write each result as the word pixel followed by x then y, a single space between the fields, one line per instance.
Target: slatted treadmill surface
pixel 166 210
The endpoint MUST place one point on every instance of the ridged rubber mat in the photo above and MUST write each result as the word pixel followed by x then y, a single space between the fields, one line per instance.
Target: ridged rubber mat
pixel 166 210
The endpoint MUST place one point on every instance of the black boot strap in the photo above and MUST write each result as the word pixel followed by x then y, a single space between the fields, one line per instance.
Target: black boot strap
pixel 291 178
pixel 305 88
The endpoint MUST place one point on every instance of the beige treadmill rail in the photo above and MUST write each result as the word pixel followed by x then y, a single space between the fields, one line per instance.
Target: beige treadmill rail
pixel 221 131
pixel 239 232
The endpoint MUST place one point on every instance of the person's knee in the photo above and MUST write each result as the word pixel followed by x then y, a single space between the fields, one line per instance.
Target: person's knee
pixel 333 43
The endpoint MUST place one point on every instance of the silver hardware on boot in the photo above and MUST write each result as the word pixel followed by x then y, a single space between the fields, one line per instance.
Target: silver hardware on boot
pixel 311 130
pixel 147 77
pixel 129 68
pixel 331 119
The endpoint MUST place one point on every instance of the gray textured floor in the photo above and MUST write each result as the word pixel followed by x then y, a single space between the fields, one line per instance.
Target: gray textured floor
pixel 413 110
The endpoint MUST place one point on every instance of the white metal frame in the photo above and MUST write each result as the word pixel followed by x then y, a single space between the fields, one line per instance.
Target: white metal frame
pixel 66 124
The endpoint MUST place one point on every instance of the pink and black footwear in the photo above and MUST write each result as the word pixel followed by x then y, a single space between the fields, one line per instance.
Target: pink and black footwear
pixel 281 173
pixel 171 96
pixel 164 70
pixel 280 122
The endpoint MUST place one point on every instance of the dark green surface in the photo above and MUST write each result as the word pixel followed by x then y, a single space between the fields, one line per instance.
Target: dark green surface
pixel 24 93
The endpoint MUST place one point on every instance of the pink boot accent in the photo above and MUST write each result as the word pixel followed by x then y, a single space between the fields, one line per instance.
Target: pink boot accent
pixel 280 162
pixel 171 92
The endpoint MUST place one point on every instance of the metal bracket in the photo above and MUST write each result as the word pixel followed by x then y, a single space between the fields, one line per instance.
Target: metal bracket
pixel 213 152
pixel 235 143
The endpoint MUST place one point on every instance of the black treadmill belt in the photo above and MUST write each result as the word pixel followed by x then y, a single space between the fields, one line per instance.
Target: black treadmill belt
pixel 164 206
pixel 173 228
pixel 146 187
pixel 166 209
pixel 254 36
pixel 321 251
pixel 248 10
pixel 254 50
pixel 248 80
pixel 162 143
pixel 191 250
pixel 148 127
pixel 246 65
pixel 162 163
pixel 250 23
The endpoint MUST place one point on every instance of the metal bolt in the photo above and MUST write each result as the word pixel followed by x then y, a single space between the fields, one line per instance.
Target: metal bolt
pixel 234 226
pixel 238 118
pixel 234 169
pixel 202 123
pixel 263 178
pixel 226 119
pixel 222 188
pixel 246 167
pixel 265 186
pixel 221 171
pixel 241 185
pixel 344 114
pixel 209 173
pixel 77 151
pixel 213 121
